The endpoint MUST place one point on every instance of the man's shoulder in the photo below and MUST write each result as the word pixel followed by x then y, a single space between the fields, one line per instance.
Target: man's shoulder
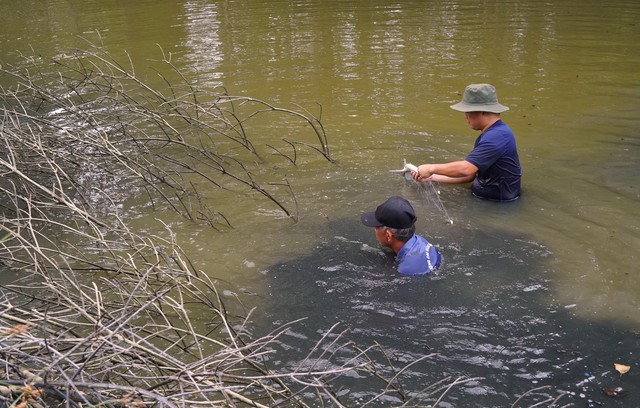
pixel 497 135
pixel 421 239
pixel 416 245
pixel 418 257
pixel 500 128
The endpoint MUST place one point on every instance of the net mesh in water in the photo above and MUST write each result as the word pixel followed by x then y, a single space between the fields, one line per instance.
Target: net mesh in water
pixel 429 193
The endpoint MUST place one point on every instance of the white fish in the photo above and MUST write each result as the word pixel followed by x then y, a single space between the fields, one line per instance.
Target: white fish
pixel 407 167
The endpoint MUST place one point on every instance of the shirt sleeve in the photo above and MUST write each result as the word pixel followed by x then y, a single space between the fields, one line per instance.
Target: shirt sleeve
pixel 487 151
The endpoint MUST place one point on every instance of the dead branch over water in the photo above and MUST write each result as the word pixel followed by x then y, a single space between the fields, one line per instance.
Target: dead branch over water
pixel 102 315
pixel 94 116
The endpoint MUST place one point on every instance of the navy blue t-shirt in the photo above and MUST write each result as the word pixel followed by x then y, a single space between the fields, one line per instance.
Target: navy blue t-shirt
pixel 496 157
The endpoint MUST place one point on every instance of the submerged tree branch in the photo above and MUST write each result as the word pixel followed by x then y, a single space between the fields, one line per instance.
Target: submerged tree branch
pixel 93 117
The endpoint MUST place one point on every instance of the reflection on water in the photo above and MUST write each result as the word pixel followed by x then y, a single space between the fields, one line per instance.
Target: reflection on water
pixel 538 292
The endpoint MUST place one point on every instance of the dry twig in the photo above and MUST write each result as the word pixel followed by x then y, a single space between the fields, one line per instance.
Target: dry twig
pixel 104 315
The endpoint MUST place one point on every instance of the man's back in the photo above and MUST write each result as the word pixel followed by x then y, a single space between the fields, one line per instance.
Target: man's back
pixel 496 156
pixel 418 257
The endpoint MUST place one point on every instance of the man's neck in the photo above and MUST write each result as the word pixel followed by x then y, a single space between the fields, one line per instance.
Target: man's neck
pixel 490 121
pixel 397 245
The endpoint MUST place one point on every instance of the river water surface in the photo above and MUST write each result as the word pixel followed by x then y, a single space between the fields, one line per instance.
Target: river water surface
pixel 540 292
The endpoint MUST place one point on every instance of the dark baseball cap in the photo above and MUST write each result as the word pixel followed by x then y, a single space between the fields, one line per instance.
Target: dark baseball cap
pixel 396 212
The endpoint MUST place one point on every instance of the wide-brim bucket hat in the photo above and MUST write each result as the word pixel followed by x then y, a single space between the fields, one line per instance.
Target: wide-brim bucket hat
pixel 480 98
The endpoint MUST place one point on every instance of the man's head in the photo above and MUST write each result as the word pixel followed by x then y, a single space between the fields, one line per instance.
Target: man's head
pixel 480 98
pixel 396 212
pixel 394 221
pixel 480 106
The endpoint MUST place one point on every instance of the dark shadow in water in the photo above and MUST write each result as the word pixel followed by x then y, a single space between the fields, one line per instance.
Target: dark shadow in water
pixel 488 313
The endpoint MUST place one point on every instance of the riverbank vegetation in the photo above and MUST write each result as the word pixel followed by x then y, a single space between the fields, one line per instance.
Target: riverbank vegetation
pixel 98 313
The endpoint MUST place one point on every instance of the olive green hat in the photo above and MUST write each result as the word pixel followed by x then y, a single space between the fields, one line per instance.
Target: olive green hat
pixel 480 98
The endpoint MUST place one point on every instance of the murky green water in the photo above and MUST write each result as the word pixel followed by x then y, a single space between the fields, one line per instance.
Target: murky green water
pixel 540 292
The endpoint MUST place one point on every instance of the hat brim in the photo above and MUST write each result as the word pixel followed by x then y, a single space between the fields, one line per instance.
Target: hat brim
pixel 369 219
pixel 493 108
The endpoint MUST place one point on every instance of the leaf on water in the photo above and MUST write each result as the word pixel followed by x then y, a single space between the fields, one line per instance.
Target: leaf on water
pixel 621 368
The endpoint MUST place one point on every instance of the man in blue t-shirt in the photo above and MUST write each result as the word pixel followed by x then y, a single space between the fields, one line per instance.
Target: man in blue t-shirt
pixel 394 223
pixel 493 166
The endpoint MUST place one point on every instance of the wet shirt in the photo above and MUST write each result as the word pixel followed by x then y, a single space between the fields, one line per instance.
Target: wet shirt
pixel 418 257
pixel 496 157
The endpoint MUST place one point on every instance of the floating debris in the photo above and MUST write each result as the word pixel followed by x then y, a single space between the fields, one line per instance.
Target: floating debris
pixel 617 392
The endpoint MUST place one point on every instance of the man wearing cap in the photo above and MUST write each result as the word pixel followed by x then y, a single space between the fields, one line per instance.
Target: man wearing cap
pixel 493 166
pixel 394 223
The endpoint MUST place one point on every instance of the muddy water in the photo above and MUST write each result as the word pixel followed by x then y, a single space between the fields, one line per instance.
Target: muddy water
pixel 538 292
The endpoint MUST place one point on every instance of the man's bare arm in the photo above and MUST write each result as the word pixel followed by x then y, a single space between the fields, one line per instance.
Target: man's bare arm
pixel 453 172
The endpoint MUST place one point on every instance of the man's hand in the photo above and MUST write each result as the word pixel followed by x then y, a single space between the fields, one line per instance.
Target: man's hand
pixel 424 173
